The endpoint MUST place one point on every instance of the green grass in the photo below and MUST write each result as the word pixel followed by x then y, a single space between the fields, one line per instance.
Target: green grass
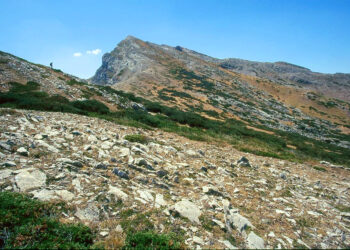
pixel 31 224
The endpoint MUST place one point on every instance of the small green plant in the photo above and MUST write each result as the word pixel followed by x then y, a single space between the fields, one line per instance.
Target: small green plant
pixel 151 240
pixel 57 70
pixel 206 222
pixel 320 169
pixel 343 208
pixel 286 193
pixel 138 222
pixel 305 222
pixel 137 138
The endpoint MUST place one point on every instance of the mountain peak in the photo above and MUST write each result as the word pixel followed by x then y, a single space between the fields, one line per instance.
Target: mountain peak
pixel 130 37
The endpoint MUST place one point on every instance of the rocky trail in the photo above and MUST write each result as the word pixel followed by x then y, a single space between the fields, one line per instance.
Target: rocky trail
pixel 212 195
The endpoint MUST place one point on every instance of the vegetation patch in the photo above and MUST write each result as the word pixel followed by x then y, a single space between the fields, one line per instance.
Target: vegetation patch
pixel 31 224
pixel 137 138
pixel 151 240
pixel 343 208
pixel 189 124
pixel 322 169
pixel 73 82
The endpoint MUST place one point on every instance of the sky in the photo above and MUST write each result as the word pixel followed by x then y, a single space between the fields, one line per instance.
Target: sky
pixel 74 34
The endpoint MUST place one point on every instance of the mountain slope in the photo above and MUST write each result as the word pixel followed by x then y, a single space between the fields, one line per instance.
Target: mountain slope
pixel 279 95
pixel 138 171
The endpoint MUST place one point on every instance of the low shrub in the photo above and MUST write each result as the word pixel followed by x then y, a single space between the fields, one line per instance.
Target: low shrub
pixel 151 240
pixel 137 138
pixel 91 106
pixel 31 224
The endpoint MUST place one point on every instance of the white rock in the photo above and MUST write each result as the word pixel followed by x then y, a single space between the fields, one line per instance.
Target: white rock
pixel 219 223
pixel 302 243
pixel 106 145
pixel 65 195
pixel 227 244
pixel 76 184
pixel 104 233
pixel 90 213
pixel 49 147
pixel 119 229
pixel 30 180
pixel 5 173
pixel 117 192
pixel 192 153
pixel 124 152
pixel 314 213
pixel 198 240
pixel 255 242
pixel 9 164
pixel 239 221
pixel 271 234
pixel 38 137
pixel 282 212
pixel 69 136
pixel 159 201
pixel 45 195
pixel 188 209
pixel 145 195
pixel 92 138
pixel 22 151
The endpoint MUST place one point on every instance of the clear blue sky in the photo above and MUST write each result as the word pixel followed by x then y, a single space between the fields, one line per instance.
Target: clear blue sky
pixel 310 33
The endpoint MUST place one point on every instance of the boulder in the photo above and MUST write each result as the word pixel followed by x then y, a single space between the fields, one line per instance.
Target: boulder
pixel 107 145
pixel 101 166
pixel 243 162
pixel 117 192
pixel 162 173
pixel 9 164
pixel 47 195
pixel 159 201
pixel 145 195
pixel 23 151
pixel 239 222
pixel 255 242
pixel 124 152
pixel 5 174
pixel 26 180
pixel 90 213
pixel 188 210
pixel 121 174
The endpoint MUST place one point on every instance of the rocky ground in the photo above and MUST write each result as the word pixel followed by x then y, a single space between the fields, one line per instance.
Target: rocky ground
pixel 212 195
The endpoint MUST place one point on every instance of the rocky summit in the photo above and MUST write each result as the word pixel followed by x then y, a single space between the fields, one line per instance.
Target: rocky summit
pixel 173 147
